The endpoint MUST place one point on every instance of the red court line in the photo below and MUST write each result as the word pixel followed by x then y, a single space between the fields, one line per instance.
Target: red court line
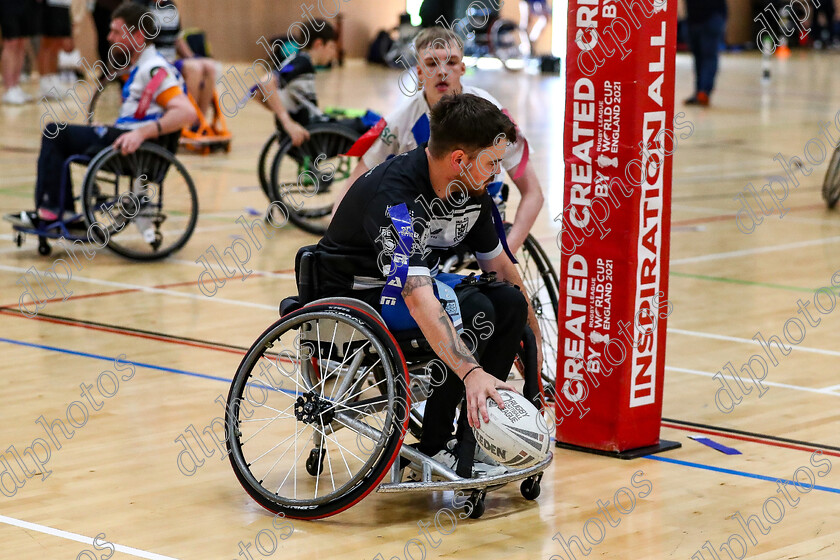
pixel 157 287
pixel 751 439
pixel 159 338
pixel 117 330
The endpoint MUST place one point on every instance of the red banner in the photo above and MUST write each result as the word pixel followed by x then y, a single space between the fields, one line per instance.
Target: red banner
pixel 616 222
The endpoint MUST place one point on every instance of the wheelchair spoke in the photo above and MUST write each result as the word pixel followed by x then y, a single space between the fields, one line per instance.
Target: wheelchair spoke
pixel 329 460
pixel 343 458
pixel 356 409
pixel 329 354
pixel 349 343
pixel 253 461
pixel 289 416
pixel 298 367
pixel 357 384
pixel 286 416
pixel 363 390
pixel 295 461
pixel 335 440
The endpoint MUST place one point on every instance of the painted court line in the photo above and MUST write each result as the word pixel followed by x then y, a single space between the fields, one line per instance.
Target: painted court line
pixel 147 289
pixel 751 341
pixel 756 251
pixel 826 391
pixel 740 473
pixel 725 280
pixel 112 359
pixel 266 273
pixel 80 538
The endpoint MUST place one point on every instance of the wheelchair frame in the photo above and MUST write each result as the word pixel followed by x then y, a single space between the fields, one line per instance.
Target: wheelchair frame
pixel 109 159
pixel 338 412
pixel 210 135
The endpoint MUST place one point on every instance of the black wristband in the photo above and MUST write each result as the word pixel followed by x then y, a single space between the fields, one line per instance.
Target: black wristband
pixel 159 127
pixel 464 379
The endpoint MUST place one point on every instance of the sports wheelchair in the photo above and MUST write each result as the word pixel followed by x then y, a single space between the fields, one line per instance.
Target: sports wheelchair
pixel 119 190
pixel 304 178
pixel 205 137
pixel 328 385
pixel 496 36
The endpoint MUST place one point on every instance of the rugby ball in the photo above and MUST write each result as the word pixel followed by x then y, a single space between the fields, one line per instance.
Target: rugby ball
pixel 517 436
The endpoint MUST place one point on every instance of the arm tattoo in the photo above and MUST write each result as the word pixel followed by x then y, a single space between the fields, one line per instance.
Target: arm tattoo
pixel 415 282
pixel 460 352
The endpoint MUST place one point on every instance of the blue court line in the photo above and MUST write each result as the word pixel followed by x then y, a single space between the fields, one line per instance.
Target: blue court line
pixel 138 364
pixel 739 473
pixel 217 378
pixel 109 359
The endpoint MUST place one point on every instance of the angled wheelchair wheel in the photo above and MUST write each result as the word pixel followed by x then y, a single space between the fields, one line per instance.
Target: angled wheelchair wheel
pixel 305 179
pixel 267 154
pixel 831 183
pixel 316 412
pixel 144 204
pixel 104 106
pixel 509 43
pixel 542 285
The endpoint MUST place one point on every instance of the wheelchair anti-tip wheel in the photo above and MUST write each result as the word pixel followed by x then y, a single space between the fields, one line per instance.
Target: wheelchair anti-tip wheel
pixel 831 183
pixel 306 178
pixel 144 204
pixel 316 412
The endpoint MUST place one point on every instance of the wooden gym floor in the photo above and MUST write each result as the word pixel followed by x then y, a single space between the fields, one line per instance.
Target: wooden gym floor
pixel 118 474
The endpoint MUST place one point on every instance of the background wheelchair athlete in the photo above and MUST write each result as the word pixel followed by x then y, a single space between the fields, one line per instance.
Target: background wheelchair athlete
pixel 154 106
pixel 305 133
pixel 199 73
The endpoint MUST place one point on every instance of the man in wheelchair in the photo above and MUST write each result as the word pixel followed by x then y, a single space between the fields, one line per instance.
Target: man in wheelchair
pixel 154 105
pixel 289 92
pixel 381 248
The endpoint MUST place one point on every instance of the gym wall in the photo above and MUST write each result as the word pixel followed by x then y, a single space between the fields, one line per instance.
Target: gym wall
pixel 235 25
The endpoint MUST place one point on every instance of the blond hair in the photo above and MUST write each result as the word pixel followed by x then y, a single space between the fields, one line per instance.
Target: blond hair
pixel 436 35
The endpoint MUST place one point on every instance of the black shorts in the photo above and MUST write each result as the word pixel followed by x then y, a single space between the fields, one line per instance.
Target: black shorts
pixel 18 18
pixel 55 21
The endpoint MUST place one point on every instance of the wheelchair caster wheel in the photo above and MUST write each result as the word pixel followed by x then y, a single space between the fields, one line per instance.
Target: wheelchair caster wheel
pixel 44 248
pixel 19 238
pixel 315 462
pixel 530 488
pixel 475 503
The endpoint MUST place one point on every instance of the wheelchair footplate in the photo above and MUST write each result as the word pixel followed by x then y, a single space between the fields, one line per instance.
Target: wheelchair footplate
pixel 479 487
pixel 54 230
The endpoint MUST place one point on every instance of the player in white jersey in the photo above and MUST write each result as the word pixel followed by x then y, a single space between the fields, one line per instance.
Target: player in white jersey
pixel 154 104
pixel 439 70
